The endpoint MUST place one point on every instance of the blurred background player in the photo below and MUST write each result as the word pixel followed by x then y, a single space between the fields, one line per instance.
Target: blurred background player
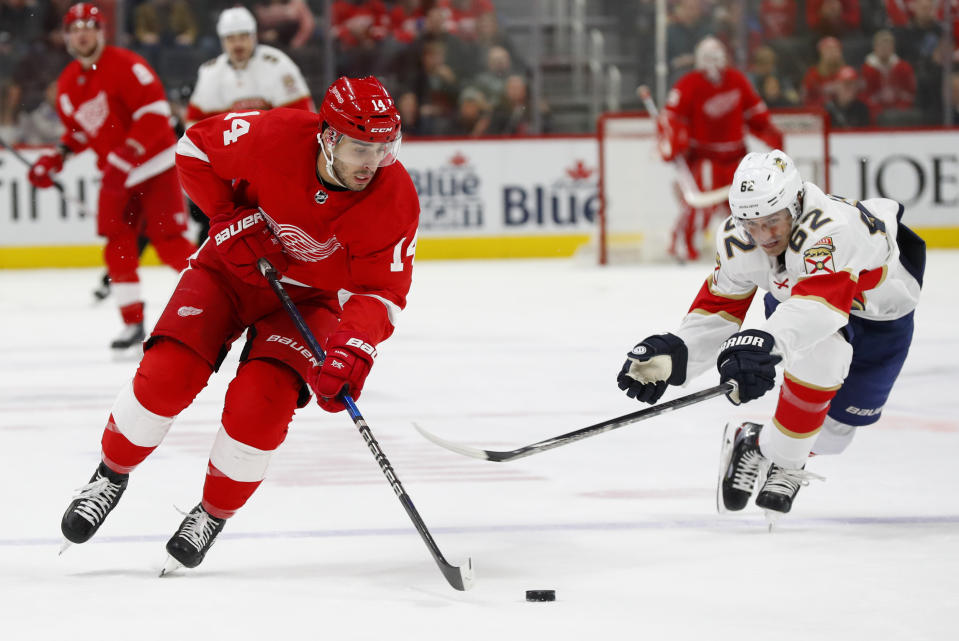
pixel 247 75
pixel 112 102
pixel 843 280
pixel 704 122
pixel 324 200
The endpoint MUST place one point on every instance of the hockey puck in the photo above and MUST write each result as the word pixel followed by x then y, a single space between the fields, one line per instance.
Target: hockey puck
pixel 541 595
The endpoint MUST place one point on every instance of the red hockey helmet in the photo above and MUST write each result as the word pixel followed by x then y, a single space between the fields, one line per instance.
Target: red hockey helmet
pixel 361 108
pixel 85 12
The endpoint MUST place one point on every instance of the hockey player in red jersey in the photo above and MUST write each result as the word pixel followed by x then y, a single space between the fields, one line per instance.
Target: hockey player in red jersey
pixel 111 101
pixel 322 198
pixel 842 278
pixel 704 122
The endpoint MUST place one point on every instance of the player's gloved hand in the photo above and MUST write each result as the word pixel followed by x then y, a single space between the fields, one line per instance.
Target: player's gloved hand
pixel 40 171
pixel 349 358
pixel 120 162
pixel 242 240
pixel 746 360
pixel 658 361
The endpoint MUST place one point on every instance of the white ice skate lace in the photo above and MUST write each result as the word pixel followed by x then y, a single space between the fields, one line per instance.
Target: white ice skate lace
pixel 788 482
pixel 198 528
pixel 96 498
pixel 744 478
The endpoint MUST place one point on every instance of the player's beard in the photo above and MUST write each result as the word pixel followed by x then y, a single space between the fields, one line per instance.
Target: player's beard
pixel 347 175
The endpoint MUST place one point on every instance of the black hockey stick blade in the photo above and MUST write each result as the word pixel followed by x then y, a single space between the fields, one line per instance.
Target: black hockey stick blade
pixel 580 434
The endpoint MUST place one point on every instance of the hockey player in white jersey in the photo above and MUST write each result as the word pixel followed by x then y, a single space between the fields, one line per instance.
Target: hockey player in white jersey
pixel 247 75
pixel 843 280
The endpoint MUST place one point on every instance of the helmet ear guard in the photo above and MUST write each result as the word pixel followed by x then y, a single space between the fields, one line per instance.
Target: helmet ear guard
pixel 765 183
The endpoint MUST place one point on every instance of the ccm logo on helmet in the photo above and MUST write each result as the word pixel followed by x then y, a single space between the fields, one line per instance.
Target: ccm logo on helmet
pixel 380 130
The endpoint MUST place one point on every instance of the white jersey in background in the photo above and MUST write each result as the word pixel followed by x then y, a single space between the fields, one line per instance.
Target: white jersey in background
pixel 270 79
pixel 842 259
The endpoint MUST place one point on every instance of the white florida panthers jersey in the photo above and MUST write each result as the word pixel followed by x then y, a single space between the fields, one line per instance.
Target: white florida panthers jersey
pixel 843 258
pixel 270 79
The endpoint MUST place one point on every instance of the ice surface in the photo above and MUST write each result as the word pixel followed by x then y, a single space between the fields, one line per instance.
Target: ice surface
pixel 496 354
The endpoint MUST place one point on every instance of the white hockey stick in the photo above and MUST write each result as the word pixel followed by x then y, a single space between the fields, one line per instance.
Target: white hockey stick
pixel 684 177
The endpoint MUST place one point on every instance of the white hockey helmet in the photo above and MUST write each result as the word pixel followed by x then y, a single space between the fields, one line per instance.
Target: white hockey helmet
pixel 765 183
pixel 710 57
pixel 235 20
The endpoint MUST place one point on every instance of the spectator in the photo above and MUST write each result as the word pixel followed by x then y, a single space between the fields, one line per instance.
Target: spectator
pixel 771 91
pixel 40 65
pixel 819 79
pixel 897 12
pixel 763 69
pixel 929 92
pixel 473 116
pixel 18 26
pixel 687 26
pixel 163 23
pixel 919 36
pixel 458 56
pixel 845 108
pixel 41 125
pixel 832 17
pixel 406 21
pixel 359 28
pixel 513 115
pixel 287 24
pixel 777 18
pixel 465 14
pixel 489 35
pixel 492 81
pixel 435 87
pixel 890 82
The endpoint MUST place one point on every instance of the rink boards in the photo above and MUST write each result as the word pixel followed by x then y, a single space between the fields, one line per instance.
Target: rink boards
pixel 496 198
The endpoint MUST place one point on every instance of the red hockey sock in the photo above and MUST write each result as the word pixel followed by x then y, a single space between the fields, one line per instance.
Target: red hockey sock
pixel 173 250
pixel 168 379
pixel 259 407
pixel 802 408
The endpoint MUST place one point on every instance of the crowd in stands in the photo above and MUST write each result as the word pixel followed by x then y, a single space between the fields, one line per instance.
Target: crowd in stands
pixel 866 62
pixel 454 71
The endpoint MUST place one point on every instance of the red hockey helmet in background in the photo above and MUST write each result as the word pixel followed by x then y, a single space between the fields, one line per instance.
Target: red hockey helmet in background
pixel 85 12
pixel 361 108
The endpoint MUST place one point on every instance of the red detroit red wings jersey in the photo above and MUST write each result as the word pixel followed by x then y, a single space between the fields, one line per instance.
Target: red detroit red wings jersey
pixel 358 246
pixel 119 97
pixel 716 114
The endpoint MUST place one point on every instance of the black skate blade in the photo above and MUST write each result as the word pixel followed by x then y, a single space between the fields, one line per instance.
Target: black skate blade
pixel 63 546
pixel 772 517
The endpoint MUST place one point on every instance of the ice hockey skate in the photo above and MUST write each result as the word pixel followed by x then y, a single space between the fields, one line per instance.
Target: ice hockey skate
pixel 192 540
pixel 129 342
pixel 740 464
pixel 779 491
pixel 102 291
pixel 90 507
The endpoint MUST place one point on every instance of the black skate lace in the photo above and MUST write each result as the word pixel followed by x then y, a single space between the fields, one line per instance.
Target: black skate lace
pixel 96 498
pixel 744 478
pixel 198 529
pixel 788 482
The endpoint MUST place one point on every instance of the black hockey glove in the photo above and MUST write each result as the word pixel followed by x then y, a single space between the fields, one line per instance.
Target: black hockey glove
pixel 658 361
pixel 746 360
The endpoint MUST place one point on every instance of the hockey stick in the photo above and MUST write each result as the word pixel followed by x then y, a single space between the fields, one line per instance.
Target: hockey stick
pixel 461 578
pixel 684 177
pixel 580 434
pixel 76 202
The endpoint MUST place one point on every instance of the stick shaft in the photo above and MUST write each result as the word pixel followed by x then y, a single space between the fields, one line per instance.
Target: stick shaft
pixel 460 579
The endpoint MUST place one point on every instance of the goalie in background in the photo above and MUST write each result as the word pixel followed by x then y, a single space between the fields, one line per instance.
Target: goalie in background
pixel 842 280
pixel 704 124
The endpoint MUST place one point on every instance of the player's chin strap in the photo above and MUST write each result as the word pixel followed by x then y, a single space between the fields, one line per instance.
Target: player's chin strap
pixel 461 578
pixel 329 159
